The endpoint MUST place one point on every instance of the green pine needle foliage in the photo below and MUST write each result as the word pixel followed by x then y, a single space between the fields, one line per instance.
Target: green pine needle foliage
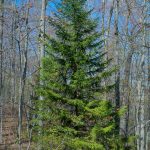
pixel 71 116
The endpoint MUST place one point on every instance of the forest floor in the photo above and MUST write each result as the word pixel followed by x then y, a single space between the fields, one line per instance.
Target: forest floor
pixel 9 129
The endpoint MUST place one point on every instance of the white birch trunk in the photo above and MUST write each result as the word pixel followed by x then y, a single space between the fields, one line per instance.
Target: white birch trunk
pixel 141 141
pixel 140 128
pixel 42 47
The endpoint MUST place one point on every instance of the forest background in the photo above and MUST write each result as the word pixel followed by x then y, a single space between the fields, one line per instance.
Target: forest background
pixel 124 25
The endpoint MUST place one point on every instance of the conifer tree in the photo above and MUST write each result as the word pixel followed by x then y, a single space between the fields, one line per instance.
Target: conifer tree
pixel 73 111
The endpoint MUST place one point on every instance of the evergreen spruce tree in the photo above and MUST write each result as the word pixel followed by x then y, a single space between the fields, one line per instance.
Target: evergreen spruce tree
pixel 73 112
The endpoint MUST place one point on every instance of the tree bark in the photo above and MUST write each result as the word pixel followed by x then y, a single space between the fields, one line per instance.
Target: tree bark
pixel 117 63
pixel 1 68
pixel 140 128
pixel 141 115
pixel 42 51
pixel 126 85
pixel 23 75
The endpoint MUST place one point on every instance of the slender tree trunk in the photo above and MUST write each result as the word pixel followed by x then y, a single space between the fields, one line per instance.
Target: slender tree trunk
pixel 140 128
pixel 20 100
pixel 127 72
pixel 42 50
pixel 126 95
pixel 1 44
pixel 13 45
pixel 126 86
pixel 124 123
pixel 147 98
pixel 42 30
pixel 103 17
pixel 117 77
pixel 109 23
pixel 24 72
pixel 1 68
pixel 141 118
pixel 148 87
